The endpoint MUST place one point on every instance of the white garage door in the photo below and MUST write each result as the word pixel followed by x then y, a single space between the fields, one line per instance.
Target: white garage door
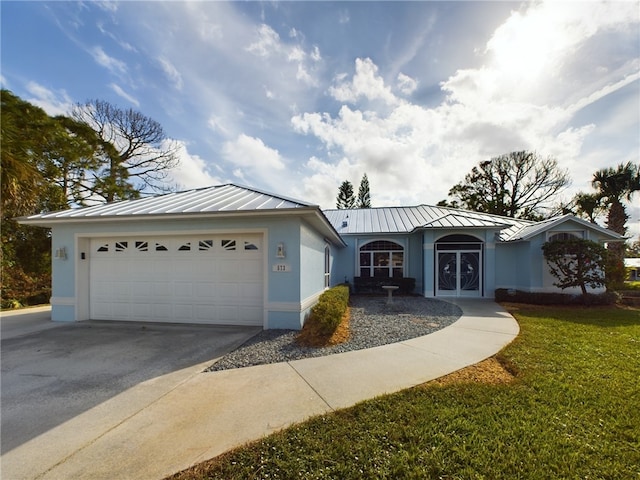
pixel 216 279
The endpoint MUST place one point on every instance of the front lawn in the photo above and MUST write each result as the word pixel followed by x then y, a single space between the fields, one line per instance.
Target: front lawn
pixel 572 410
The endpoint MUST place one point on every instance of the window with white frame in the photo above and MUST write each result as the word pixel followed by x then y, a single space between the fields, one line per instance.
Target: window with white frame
pixel 327 266
pixel 381 258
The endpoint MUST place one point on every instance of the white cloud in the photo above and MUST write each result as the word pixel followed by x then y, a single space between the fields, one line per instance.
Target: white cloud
pixel 254 160
pixel 191 171
pixel 268 42
pixel 406 84
pixel 172 73
pixel 315 54
pixel 546 55
pixel 54 103
pixel 251 152
pixel 365 84
pixel 110 63
pixel 121 93
pixel 270 46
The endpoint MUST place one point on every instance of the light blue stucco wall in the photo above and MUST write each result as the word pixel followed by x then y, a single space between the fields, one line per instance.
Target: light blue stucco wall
pixel 283 296
pixel 513 265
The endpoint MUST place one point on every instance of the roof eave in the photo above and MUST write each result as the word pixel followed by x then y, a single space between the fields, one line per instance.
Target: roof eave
pixel 322 223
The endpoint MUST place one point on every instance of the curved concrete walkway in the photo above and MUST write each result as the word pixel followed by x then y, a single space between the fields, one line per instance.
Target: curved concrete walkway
pixel 210 413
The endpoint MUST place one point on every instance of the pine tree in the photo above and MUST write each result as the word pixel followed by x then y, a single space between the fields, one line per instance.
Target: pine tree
pixel 345 197
pixel 364 195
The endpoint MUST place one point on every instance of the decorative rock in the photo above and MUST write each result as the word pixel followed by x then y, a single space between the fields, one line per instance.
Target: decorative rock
pixel 373 323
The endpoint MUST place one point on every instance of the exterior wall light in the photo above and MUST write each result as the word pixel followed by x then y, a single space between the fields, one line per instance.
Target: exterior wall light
pixel 61 253
pixel 280 251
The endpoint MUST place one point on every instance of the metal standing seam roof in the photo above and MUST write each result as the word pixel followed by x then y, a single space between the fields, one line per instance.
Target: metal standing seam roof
pixel 409 219
pixel 529 231
pixel 220 198
pixel 230 198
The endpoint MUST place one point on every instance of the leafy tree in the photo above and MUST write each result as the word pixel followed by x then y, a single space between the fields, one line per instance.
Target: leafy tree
pixel 614 185
pixel 345 197
pixel 30 142
pixel 576 263
pixel 517 185
pixel 143 155
pixel 364 194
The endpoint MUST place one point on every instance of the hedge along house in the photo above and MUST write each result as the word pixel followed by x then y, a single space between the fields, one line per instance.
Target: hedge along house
pixel 234 255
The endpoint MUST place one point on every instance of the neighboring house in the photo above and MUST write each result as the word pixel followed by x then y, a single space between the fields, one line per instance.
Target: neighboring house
pixel 633 268
pixel 235 255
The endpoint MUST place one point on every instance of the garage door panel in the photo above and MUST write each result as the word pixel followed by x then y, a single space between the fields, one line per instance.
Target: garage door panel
pixel 250 315
pixel 141 311
pixel 215 279
pixel 252 293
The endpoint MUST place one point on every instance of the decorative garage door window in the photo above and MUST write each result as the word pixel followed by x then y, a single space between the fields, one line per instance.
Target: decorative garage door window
pixel 381 258
pixel 184 246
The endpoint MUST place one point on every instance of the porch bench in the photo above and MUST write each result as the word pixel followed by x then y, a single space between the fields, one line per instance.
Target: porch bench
pixel 405 285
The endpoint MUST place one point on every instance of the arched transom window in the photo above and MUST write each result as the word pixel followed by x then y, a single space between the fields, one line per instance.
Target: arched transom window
pixel 381 258
pixel 564 236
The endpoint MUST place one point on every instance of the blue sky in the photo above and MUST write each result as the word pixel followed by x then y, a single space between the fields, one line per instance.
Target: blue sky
pixel 295 97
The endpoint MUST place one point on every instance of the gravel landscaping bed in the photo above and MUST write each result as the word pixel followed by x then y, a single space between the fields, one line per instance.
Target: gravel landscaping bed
pixel 373 323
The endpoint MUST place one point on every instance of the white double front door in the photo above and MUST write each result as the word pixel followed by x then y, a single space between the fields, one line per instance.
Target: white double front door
pixel 459 273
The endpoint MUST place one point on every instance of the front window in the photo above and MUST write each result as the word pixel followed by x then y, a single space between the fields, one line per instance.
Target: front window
pixel 381 258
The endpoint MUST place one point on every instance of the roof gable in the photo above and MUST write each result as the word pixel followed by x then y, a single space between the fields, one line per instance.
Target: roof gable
pixel 530 231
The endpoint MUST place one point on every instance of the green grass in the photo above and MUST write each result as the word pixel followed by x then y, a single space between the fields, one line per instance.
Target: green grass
pixel 573 411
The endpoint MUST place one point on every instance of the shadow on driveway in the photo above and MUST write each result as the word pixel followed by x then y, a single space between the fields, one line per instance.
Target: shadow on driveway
pixel 53 375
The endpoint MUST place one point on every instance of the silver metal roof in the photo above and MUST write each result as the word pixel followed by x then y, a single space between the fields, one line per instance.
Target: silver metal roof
pixel 236 199
pixel 408 219
pixel 529 231
pixel 220 198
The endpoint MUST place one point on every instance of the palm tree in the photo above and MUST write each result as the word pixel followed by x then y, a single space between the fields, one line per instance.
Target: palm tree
pixel 615 184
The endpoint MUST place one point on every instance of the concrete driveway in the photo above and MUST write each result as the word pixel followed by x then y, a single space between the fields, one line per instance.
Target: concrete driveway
pixel 54 372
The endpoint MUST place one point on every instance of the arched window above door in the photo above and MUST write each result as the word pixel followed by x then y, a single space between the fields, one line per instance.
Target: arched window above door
pixel 459 242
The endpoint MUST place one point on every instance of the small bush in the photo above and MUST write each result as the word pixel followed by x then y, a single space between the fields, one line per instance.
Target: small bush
pixel 545 298
pixel 331 306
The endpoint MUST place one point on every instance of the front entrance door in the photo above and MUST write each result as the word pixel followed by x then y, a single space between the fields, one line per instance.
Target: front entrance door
pixel 459 273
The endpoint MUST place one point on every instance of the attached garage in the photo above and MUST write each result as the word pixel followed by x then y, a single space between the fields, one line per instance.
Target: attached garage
pixel 212 279
pixel 220 255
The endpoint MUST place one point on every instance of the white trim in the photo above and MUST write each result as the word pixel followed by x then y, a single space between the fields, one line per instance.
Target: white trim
pixel 297 307
pixel 173 233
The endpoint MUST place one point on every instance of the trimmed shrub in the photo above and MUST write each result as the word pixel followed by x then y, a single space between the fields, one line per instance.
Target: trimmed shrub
pixel 332 305
pixel 546 298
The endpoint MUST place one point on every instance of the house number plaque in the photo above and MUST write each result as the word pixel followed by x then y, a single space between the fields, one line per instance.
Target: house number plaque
pixel 281 267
